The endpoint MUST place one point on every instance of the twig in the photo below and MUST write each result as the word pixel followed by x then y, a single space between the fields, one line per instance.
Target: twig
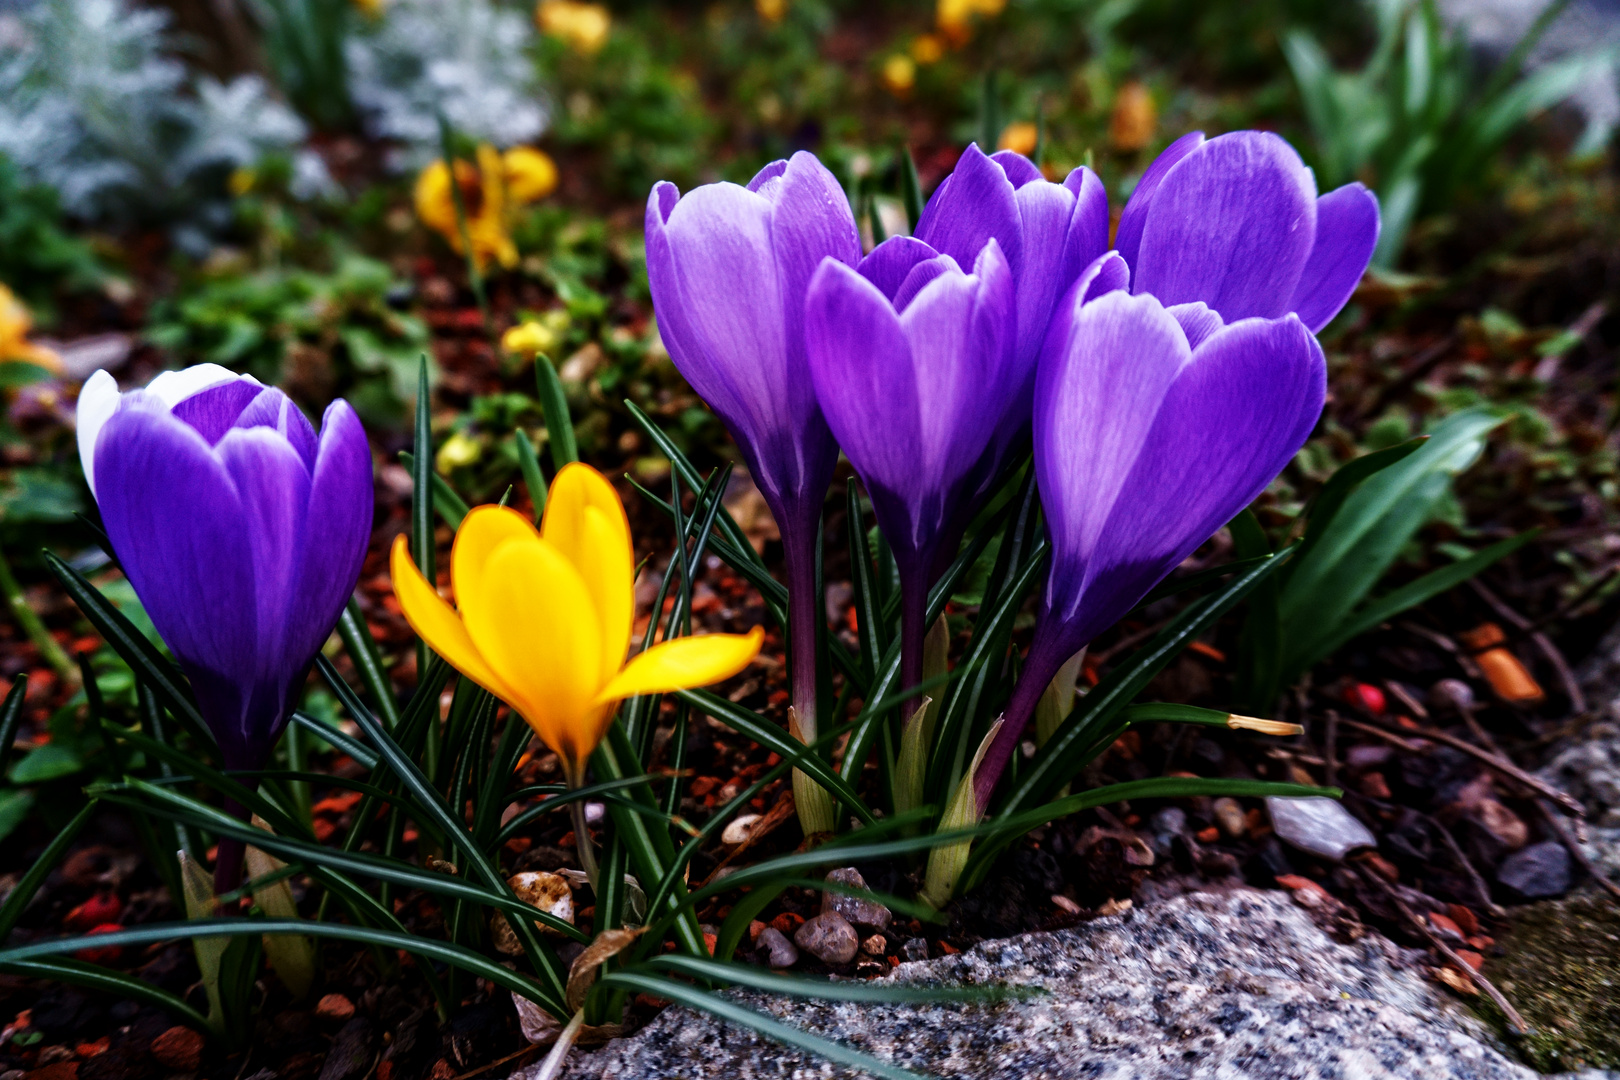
pixel 1482 887
pixel 1495 761
pixel 531 1048
pixel 1515 1021
pixel 1572 689
pixel 1576 848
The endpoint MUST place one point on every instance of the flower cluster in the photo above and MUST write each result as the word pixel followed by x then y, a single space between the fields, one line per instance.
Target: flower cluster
pixel 490 192
pixel 1163 382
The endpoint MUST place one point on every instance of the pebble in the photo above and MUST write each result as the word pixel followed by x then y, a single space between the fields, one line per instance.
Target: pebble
pixel 876 945
pixel 1539 872
pixel 334 1007
pixel 780 951
pixel 854 909
pixel 1228 814
pixel 830 937
pixel 914 949
pixel 179 1048
pixel 550 893
pixel 1318 826
pixel 1367 757
pixel 737 830
pixel 1503 824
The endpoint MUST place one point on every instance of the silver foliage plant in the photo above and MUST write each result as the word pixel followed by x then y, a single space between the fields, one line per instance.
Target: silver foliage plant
pixel 94 104
pixel 468 59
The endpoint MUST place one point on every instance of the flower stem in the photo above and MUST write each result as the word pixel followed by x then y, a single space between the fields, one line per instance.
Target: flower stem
pixel 582 841
pixel 1046 655
pixel 814 804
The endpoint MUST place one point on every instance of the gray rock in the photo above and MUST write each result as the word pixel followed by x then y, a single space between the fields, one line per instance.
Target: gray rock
pixel 1319 826
pixel 779 949
pixel 1588 764
pixel 1539 872
pixel 914 949
pixel 829 937
pixel 857 910
pixel 1238 984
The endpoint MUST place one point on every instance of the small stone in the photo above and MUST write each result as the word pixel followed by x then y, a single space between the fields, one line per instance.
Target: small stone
pixel 351 1053
pixel 829 937
pixel 179 1049
pixel 1170 819
pixel 1228 815
pixel 1374 786
pixel 737 830
pixel 1451 694
pixel 1539 872
pixel 334 1007
pixel 550 893
pixel 1114 907
pixel 914 949
pixel 876 945
pixel 1367 757
pixel 1318 826
pixel 595 812
pixel 1064 904
pixel 779 950
pixel 1503 824
pixel 857 910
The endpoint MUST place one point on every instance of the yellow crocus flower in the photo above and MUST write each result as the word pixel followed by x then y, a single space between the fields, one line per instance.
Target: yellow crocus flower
pixel 955 18
pixel 543 618
pixel 528 338
pixel 584 27
pixel 490 191
pixel 15 323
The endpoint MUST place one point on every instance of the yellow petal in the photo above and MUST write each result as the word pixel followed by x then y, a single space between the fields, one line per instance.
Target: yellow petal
pixel 585 522
pixel 483 530
pixel 437 623
pixel 532 618
pixel 433 200
pixel 684 663
pixel 530 174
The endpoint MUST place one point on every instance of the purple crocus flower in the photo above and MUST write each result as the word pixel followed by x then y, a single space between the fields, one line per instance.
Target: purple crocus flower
pixel 914 363
pixel 241 531
pixel 1234 222
pixel 1153 427
pixel 1048 232
pixel 729 267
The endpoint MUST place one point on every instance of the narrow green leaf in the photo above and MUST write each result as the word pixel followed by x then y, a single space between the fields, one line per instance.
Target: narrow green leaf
pixel 367 659
pixel 533 479
pixel 23 892
pixel 1325 507
pixel 149 665
pixel 769 735
pixel 554 403
pixel 450 506
pixel 910 188
pixel 107 981
pixel 333 737
pixel 736 539
pixel 11 717
pixel 1063 754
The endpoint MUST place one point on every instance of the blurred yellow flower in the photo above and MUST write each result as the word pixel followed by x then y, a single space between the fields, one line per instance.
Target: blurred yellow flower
pixel 458 450
pixel 15 322
pixel 543 618
pixel 241 181
pixel 371 8
pixel 528 338
pixel 583 26
pixel 1019 137
pixel 899 74
pixel 772 11
pixel 927 49
pixel 490 191
pixel 1134 119
pixel 955 18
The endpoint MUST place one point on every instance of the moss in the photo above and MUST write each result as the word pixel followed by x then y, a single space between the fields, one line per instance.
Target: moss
pixel 1560 966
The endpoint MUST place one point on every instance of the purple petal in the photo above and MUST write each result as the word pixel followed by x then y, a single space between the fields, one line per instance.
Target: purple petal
pixel 1346 234
pixel 890 262
pixel 976 203
pixel 176 524
pixel 339 527
pixel 1128 240
pixel 1104 374
pixel 1187 452
pixel 213 412
pixel 1088 228
pixel 272 484
pixel 1197 321
pixel 767 174
pixel 1107 273
pixel 1046 212
pixel 1019 169
pixel 1232 225
pixel 273 409
pixel 920 276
